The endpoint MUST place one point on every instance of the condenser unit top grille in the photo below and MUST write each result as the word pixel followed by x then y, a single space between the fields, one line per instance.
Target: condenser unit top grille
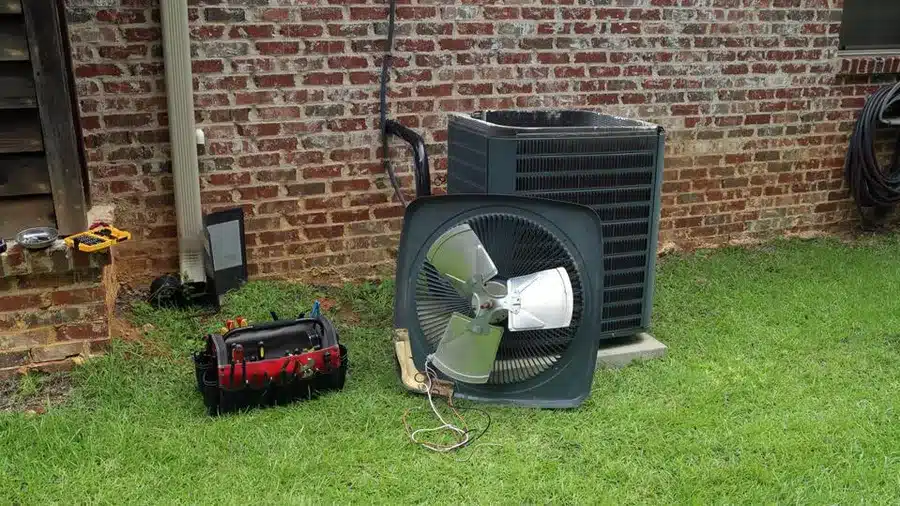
pixel 557 122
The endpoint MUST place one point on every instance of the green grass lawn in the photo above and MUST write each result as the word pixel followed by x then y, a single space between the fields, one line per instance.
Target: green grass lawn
pixel 781 384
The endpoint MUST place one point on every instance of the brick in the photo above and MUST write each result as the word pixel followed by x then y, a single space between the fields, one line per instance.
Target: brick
pixel 349 155
pixel 330 171
pixel 58 351
pixel 326 232
pixel 274 81
pixel 143 34
pixel 296 190
pixel 348 216
pixel 346 125
pixel 325 47
pixel 388 212
pixel 350 185
pixel 278 48
pixel 228 179
pixel 368 199
pixel 319 203
pixel 476 89
pixel 326 111
pixel 347 62
pixel 501 12
pixel 258 192
pixel 83 331
pixel 305 127
pixel 16 339
pixel 252 31
pixel 443 90
pixel 207 32
pixel 216 14
pixel 207 66
pixel 76 296
pixel 475 28
pixel 224 83
pixel 13 358
pixel 323 78
pixel 20 302
pixel 121 16
pixel 283 112
pixel 299 220
pixel 627 28
pixel 259 160
pixel 277 144
pixel 321 13
pixel 132 51
pixel 415 13
pixel 278 236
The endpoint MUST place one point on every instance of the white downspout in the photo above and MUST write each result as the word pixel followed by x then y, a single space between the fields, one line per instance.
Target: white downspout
pixel 183 138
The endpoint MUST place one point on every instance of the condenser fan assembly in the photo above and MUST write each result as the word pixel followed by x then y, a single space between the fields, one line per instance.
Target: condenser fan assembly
pixel 502 296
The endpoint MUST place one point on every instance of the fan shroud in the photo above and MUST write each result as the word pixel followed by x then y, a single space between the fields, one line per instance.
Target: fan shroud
pixel 567 362
pixel 518 246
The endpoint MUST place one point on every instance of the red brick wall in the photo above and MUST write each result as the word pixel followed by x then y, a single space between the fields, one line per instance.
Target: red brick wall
pixel 756 100
pixel 55 306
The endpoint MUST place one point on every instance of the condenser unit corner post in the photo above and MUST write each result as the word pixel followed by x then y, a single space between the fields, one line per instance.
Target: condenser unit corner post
pixel 654 225
pixel 611 164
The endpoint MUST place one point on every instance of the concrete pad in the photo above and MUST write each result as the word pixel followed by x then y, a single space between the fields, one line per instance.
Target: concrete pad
pixel 617 353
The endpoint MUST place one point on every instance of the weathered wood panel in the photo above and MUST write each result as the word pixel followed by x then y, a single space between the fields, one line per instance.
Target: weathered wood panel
pixel 17 214
pixel 20 131
pixel 53 88
pixel 13 44
pixel 23 175
pixel 16 85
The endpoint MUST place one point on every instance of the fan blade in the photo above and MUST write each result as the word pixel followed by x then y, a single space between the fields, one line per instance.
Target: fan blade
pixel 459 255
pixel 544 300
pixel 465 354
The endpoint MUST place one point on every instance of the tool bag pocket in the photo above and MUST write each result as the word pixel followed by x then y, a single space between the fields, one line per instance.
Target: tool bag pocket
pixel 270 364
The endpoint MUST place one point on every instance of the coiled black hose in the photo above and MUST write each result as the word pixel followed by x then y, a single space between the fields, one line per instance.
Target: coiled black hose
pixel 875 189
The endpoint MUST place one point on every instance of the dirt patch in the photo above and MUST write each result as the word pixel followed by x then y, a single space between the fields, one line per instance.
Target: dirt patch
pixel 34 393
pixel 345 314
pixel 121 328
pixel 325 303
pixel 127 296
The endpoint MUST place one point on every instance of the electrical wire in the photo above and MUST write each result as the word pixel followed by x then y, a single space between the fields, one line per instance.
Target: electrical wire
pixel 462 435
pixel 385 76
pixel 875 189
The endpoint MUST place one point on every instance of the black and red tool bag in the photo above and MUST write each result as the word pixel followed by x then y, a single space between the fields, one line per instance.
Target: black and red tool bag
pixel 269 364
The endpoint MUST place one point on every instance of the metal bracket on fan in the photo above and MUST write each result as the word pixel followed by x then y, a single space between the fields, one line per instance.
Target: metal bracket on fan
pixel 412 378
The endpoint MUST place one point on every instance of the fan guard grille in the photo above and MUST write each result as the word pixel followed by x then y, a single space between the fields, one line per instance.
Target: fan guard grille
pixel 518 246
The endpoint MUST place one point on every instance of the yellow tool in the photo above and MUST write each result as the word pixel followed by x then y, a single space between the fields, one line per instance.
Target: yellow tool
pixel 97 239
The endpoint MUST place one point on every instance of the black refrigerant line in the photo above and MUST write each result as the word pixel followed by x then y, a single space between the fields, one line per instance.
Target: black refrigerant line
pixel 875 189
pixel 391 127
